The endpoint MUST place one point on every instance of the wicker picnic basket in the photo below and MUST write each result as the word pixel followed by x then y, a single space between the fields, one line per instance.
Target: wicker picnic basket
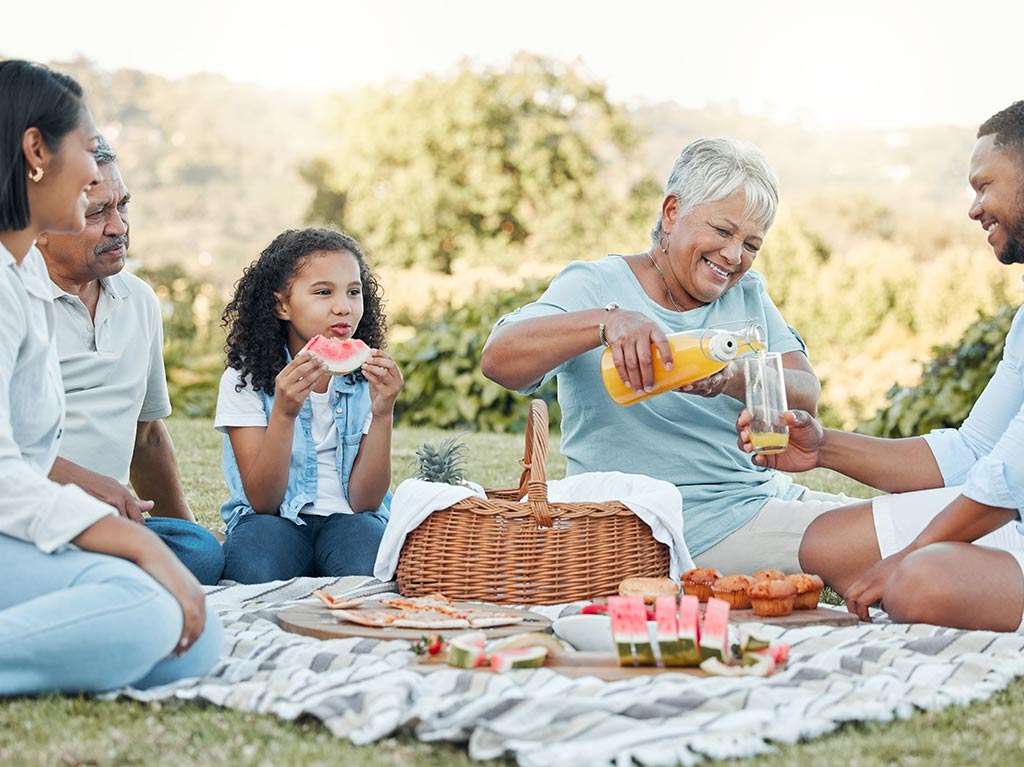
pixel 502 550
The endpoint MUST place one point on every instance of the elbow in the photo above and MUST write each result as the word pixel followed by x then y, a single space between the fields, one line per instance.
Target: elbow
pixel 492 367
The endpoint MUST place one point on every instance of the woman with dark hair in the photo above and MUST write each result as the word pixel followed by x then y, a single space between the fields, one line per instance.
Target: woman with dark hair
pixel 91 601
pixel 307 456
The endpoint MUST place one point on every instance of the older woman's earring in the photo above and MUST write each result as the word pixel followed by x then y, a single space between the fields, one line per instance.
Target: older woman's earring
pixel 37 174
pixel 663 245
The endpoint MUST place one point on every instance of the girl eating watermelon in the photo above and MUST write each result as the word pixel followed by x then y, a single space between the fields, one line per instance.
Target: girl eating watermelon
pixel 307 411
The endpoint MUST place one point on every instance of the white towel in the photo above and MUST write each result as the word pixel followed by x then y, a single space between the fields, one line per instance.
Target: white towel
pixel 654 501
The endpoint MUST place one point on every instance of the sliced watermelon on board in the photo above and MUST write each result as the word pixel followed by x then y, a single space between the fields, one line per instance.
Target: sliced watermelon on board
pixel 342 355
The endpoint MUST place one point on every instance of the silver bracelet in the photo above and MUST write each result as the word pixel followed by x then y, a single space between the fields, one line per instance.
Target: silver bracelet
pixel 600 328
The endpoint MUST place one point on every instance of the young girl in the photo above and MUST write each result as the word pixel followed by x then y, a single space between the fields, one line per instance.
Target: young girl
pixel 109 610
pixel 307 456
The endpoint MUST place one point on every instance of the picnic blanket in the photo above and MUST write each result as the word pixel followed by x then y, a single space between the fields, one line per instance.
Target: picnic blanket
pixel 363 690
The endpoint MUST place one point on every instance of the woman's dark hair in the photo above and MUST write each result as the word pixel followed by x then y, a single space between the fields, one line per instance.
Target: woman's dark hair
pixel 257 339
pixel 32 96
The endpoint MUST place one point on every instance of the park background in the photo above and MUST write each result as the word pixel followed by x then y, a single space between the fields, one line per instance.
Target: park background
pixel 475 150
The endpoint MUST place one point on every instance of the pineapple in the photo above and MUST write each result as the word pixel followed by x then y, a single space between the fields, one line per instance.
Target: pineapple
pixel 445 463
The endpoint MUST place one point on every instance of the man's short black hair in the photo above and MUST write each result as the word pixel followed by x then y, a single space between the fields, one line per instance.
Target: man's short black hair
pixel 33 96
pixel 1008 128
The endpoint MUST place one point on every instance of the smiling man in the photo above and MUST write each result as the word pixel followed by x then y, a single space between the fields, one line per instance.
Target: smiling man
pixel 946 546
pixel 110 342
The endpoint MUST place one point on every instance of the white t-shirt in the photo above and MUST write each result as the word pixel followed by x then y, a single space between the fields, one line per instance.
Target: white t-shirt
pixel 113 371
pixel 245 408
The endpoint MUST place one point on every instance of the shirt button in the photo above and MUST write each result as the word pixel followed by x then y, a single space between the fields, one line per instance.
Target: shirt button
pixel 339 410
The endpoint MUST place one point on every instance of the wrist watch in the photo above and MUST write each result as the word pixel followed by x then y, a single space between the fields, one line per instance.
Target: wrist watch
pixel 611 307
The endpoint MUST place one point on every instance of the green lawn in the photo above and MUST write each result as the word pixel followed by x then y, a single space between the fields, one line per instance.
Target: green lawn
pixel 76 732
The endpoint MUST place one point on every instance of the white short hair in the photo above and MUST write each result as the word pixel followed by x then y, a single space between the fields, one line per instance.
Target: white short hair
pixel 713 169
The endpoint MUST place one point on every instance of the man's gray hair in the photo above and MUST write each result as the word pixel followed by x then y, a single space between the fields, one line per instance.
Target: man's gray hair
pixel 713 169
pixel 104 155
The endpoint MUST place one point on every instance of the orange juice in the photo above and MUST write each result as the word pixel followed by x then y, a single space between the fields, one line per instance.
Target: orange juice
pixel 696 354
pixel 769 442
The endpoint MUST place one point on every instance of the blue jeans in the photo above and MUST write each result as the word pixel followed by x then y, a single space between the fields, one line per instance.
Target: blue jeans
pixel 75 621
pixel 193 544
pixel 266 547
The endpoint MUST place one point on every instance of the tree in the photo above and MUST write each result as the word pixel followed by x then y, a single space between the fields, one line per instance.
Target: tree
pixel 489 165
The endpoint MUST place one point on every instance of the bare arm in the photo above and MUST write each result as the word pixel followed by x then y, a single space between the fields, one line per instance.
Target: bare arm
pixel 371 472
pixel 154 471
pixel 106 489
pixel 893 465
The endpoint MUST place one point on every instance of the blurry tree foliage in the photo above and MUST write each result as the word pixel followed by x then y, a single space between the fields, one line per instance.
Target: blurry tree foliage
pixel 493 166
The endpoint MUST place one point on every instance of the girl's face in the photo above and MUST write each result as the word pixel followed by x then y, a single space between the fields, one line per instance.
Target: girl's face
pixel 325 297
pixel 58 202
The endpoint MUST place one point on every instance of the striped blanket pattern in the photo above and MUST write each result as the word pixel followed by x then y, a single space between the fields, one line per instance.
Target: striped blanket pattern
pixel 363 689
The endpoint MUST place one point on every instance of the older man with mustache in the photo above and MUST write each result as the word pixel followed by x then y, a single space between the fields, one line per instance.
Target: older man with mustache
pixel 110 339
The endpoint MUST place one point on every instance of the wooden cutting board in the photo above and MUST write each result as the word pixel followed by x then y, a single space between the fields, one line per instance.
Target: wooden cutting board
pixel 819 616
pixel 602 665
pixel 315 620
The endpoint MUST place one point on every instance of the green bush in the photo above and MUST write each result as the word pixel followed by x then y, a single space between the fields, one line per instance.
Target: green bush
pixel 444 387
pixel 950 385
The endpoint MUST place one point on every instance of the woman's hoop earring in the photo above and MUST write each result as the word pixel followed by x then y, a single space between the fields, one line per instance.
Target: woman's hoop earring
pixel 36 175
pixel 663 245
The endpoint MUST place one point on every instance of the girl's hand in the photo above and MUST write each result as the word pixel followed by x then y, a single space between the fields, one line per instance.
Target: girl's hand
pixel 385 381
pixel 806 438
pixel 170 573
pixel 296 381
pixel 629 335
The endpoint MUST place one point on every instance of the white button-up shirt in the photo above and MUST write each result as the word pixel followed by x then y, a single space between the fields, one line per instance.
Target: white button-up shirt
pixel 32 508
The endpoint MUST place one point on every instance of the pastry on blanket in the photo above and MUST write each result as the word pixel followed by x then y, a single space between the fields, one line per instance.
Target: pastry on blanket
pixel 769 575
pixel 772 599
pixel 649 588
pixel 808 590
pixel 698 582
pixel 734 589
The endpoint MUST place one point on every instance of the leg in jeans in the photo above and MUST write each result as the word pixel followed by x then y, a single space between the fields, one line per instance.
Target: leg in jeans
pixel 267 547
pixel 346 544
pixel 76 621
pixel 193 544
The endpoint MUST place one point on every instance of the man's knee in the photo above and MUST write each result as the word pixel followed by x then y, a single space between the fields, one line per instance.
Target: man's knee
pixel 915 586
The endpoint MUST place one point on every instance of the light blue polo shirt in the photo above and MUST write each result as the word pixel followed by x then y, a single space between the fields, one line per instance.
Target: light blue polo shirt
pixel 684 439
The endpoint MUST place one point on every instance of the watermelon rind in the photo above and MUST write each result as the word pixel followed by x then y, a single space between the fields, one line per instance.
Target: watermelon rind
pixel 518 657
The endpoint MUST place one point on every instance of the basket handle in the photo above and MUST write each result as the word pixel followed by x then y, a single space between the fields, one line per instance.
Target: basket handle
pixel 534 480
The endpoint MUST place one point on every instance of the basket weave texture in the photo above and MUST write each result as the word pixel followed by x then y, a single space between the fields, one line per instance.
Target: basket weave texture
pixel 502 550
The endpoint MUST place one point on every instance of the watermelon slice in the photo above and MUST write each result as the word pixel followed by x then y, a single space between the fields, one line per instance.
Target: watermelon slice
pixel 518 657
pixel 637 630
pixel 467 650
pixel 618 610
pixel 342 355
pixel 689 630
pixel 665 608
pixel 714 640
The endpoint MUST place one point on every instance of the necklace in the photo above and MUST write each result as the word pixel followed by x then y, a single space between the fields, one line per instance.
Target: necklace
pixel 664 281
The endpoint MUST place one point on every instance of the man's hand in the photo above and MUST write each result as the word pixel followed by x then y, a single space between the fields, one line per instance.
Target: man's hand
pixel 106 489
pixel 868 590
pixel 806 437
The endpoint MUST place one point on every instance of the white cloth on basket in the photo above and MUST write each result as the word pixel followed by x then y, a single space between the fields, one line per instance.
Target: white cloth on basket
pixel 654 501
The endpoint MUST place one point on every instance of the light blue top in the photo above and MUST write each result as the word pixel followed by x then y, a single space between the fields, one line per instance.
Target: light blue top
pixel 350 402
pixel 986 454
pixel 684 439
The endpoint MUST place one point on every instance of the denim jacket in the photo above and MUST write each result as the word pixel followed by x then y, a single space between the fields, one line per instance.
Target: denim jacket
pixel 350 400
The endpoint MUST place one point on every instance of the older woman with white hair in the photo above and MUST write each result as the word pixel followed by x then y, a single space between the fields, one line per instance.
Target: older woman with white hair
pixel 720 201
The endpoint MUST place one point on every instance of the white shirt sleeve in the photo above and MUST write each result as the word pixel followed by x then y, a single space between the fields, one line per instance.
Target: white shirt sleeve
pixel 237 408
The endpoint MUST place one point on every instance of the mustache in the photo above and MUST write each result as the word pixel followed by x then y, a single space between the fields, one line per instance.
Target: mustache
pixel 114 244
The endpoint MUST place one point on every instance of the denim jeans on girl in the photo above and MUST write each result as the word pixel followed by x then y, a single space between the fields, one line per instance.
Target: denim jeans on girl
pixel 267 547
pixel 75 621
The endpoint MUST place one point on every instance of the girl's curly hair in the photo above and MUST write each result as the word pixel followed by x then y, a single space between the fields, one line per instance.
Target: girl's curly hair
pixel 257 339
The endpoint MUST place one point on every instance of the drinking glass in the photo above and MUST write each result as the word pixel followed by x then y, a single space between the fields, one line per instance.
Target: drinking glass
pixel 766 401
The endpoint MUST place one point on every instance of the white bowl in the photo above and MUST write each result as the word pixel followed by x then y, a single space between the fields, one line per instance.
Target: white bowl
pixel 592 633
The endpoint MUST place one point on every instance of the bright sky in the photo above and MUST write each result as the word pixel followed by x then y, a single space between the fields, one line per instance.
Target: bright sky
pixel 871 62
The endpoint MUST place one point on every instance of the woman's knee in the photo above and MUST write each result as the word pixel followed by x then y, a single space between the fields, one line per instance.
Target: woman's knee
pixel 348 546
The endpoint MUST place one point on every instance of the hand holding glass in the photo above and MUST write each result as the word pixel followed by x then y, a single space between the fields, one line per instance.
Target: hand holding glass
pixel 766 401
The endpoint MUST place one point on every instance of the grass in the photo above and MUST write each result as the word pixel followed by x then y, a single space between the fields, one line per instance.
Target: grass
pixel 80 732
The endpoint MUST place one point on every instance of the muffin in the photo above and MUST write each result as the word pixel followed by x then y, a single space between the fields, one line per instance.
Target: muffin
pixel 772 599
pixel 698 582
pixel 649 588
pixel 769 575
pixel 734 590
pixel 808 590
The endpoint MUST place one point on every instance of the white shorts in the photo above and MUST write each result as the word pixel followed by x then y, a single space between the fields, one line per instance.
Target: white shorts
pixel 900 518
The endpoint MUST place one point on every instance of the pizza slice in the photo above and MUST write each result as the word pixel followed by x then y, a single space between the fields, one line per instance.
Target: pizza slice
pixel 483 619
pixel 428 619
pixel 374 618
pixel 333 603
